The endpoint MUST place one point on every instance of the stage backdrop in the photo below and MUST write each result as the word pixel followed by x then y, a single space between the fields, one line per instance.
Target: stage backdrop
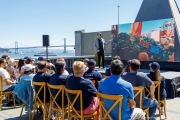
pixel 146 41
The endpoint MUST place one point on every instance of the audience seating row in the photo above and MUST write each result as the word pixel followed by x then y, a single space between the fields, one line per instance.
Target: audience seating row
pixel 72 113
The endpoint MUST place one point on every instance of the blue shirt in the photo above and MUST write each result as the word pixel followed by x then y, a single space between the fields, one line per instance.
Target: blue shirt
pixel 58 79
pixel 27 96
pixel 115 85
pixel 91 74
pixel 42 77
pixel 87 87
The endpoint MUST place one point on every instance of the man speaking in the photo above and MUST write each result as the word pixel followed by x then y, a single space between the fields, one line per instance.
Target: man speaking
pixel 99 47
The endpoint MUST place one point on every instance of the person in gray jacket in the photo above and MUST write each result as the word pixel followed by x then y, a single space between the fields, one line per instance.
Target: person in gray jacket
pixel 99 47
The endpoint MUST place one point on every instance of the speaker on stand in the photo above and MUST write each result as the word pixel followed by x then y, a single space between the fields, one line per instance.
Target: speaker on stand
pixel 46 44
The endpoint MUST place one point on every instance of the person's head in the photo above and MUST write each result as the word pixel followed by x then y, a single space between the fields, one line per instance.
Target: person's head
pixel 6 57
pixel 99 35
pixel 85 61
pixel 32 62
pixel 91 64
pixel 11 62
pixel 20 63
pixel 2 63
pixel 135 65
pixel 116 67
pixel 41 59
pixel 28 69
pixel 60 59
pixel 116 58
pixel 42 66
pixel 78 68
pixel 127 67
pixel 60 66
pixel 155 68
pixel 28 61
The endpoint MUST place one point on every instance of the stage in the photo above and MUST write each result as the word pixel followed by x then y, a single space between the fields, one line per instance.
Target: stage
pixel 172 81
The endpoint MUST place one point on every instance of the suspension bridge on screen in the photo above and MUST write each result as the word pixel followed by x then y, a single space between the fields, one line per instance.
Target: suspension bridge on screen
pixel 16 48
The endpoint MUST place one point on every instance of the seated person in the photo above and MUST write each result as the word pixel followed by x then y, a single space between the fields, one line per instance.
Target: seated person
pixel 78 82
pixel 7 83
pixel 25 85
pixel 155 75
pixel 11 69
pixel 107 72
pixel 115 85
pixel 65 73
pixel 42 76
pixel 127 67
pixel 20 69
pixel 58 79
pixel 91 74
pixel 140 79
pixel 85 61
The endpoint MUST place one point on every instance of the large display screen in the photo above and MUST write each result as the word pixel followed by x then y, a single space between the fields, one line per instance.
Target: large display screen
pixel 146 41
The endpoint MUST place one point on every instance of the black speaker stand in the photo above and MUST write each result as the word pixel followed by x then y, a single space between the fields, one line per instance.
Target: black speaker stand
pixel 46 52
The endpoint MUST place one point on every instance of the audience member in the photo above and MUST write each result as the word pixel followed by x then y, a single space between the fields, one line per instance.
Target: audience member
pixel 28 60
pixel 91 74
pixel 127 67
pixel 107 72
pixel 85 61
pixel 117 86
pixel 6 58
pixel 41 59
pixel 60 59
pixel 155 75
pixel 11 69
pixel 20 69
pixel 78 82
pixel 65 73
pixel 59 79
pixel 7 84
pixel 42 76
pixel 140 79
pixel 24 85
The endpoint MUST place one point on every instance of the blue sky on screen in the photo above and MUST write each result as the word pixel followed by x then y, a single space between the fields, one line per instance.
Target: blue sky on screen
pixel 153 25
pixel 125 28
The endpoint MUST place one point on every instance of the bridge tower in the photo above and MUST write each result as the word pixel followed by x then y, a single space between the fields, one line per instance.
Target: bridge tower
pixel 65 46
pixel 16 47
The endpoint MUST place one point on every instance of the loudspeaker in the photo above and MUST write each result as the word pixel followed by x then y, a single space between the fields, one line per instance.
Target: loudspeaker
pixel 45 40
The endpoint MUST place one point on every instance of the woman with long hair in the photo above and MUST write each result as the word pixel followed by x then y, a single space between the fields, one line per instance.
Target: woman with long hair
pixel 127 67
pixel 20 68
pixel 155 75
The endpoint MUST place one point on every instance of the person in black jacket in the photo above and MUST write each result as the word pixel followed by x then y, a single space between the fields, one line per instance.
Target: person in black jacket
pixel 155 75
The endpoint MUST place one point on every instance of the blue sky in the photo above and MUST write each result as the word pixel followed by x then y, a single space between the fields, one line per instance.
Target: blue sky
pixel 152 25
pixel 26 21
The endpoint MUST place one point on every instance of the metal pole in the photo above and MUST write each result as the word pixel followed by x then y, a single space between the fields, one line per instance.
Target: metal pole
pixel 65 45
pixel 46 52
pixel 118 13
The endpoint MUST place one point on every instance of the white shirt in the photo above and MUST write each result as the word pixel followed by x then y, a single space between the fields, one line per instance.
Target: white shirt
pixel 65 73
pixel 5 75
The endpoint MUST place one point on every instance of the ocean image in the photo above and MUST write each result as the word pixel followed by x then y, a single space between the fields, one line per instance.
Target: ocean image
pixel 31 54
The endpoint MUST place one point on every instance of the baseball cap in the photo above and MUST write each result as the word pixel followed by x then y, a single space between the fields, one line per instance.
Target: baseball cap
pixel 154 65
pixel 91 63
pixel 26 57
pixel 28 67
pixel 41 58
pixel 129 62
